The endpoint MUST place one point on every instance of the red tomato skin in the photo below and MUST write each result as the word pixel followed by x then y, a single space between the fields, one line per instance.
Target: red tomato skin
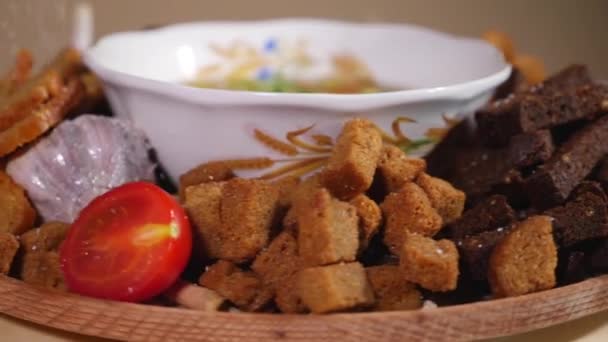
pixel 160 270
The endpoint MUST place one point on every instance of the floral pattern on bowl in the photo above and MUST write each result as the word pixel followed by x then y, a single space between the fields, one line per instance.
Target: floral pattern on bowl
pixel 283 65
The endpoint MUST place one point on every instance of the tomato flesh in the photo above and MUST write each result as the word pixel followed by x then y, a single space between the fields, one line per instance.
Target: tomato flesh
pixel 129 244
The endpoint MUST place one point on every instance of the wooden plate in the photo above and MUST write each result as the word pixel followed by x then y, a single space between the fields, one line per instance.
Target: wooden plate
pixel 138 322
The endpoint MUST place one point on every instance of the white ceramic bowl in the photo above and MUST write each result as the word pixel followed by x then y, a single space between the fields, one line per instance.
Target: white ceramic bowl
pixel 143 73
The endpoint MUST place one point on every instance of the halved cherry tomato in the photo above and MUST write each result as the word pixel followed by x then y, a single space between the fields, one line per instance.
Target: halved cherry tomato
pixel 129 244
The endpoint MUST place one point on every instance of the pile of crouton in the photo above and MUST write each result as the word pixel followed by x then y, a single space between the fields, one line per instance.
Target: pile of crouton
pixel 297 246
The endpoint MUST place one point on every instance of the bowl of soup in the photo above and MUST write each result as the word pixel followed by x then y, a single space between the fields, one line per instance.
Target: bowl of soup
pixel 238 90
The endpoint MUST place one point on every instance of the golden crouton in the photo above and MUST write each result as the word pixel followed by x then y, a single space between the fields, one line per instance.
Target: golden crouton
pixel 16 212
pixel 42 269
pixel 370 218
pixel 8 248
pixel 233 218
pixel 277 266
pixel 286 186
pixel 333 288
pixel 279 261
pixel 392 291
pixel 287 298
pixel 300 194
pixel 242 288
pixel 351 167
pixel 40 263
pixel 447 200
pixel 408 210
pixel 525 260
pixel 396 169
pixel 429 263
pixel 204 173
pixel 46 238
pixel 328 230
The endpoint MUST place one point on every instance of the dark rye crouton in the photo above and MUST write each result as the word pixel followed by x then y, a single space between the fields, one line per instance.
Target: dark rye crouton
pixel 396 169
pixel 552 183
pixel 525 260
pixel 16 213
pixel 391 290
pixel 8 249
pixel 408 211
pixel 557 101
pixel 447 200
pixel 277 266
pixel 328 230
pixel 40 261
pixel 242 288
pixel 204 173
pixel 528 149
pixel 350 169
pixel 334 288
pixel 429 263
pixel 493 212
pixel 475 251
pixel 583 217
pixel 370 218
pixel 233 218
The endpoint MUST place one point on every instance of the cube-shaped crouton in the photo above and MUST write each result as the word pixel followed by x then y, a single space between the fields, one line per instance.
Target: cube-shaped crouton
pixel 16 213
pixel 370 218
pixel 279 261
pixel 408 211
pixel 351 167
pixel 334 288
pixel 391 290
pixel 8 248
pixel 396 169
pixel 42 269
pixel 286 186
pixel 244 289
pixel 301 194
pixel 233 218
pixel 447 200
pixel 204 173
pixel 46 238
pixel 429 263
pixel 277 266
pixel 287 298
pixel 525 260
pixel 328 230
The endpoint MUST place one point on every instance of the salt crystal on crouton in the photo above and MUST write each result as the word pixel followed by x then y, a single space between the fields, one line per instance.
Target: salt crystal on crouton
pixel 431 264
pixel 408 211
pixel 447 200
pixel 336 287
pixel 525 260
pixel 242 288
pixel 233 218
pixel 391 290
pixel 8 248
pixel 328 230
pixel 204 173
pixel 396 169
pixel 351 167
pixel 16 213
pixel 370 218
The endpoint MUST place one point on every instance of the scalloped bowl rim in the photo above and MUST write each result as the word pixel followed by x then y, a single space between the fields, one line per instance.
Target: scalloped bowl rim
pixel 340 102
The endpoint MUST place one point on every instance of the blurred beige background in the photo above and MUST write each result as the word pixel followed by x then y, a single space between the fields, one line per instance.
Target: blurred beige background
pixel 559 31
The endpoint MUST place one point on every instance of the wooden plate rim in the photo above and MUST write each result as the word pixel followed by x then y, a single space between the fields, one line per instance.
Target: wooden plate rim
pixel 478 320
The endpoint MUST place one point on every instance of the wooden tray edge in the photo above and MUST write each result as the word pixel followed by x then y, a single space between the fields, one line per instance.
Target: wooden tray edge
pixel 137 322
